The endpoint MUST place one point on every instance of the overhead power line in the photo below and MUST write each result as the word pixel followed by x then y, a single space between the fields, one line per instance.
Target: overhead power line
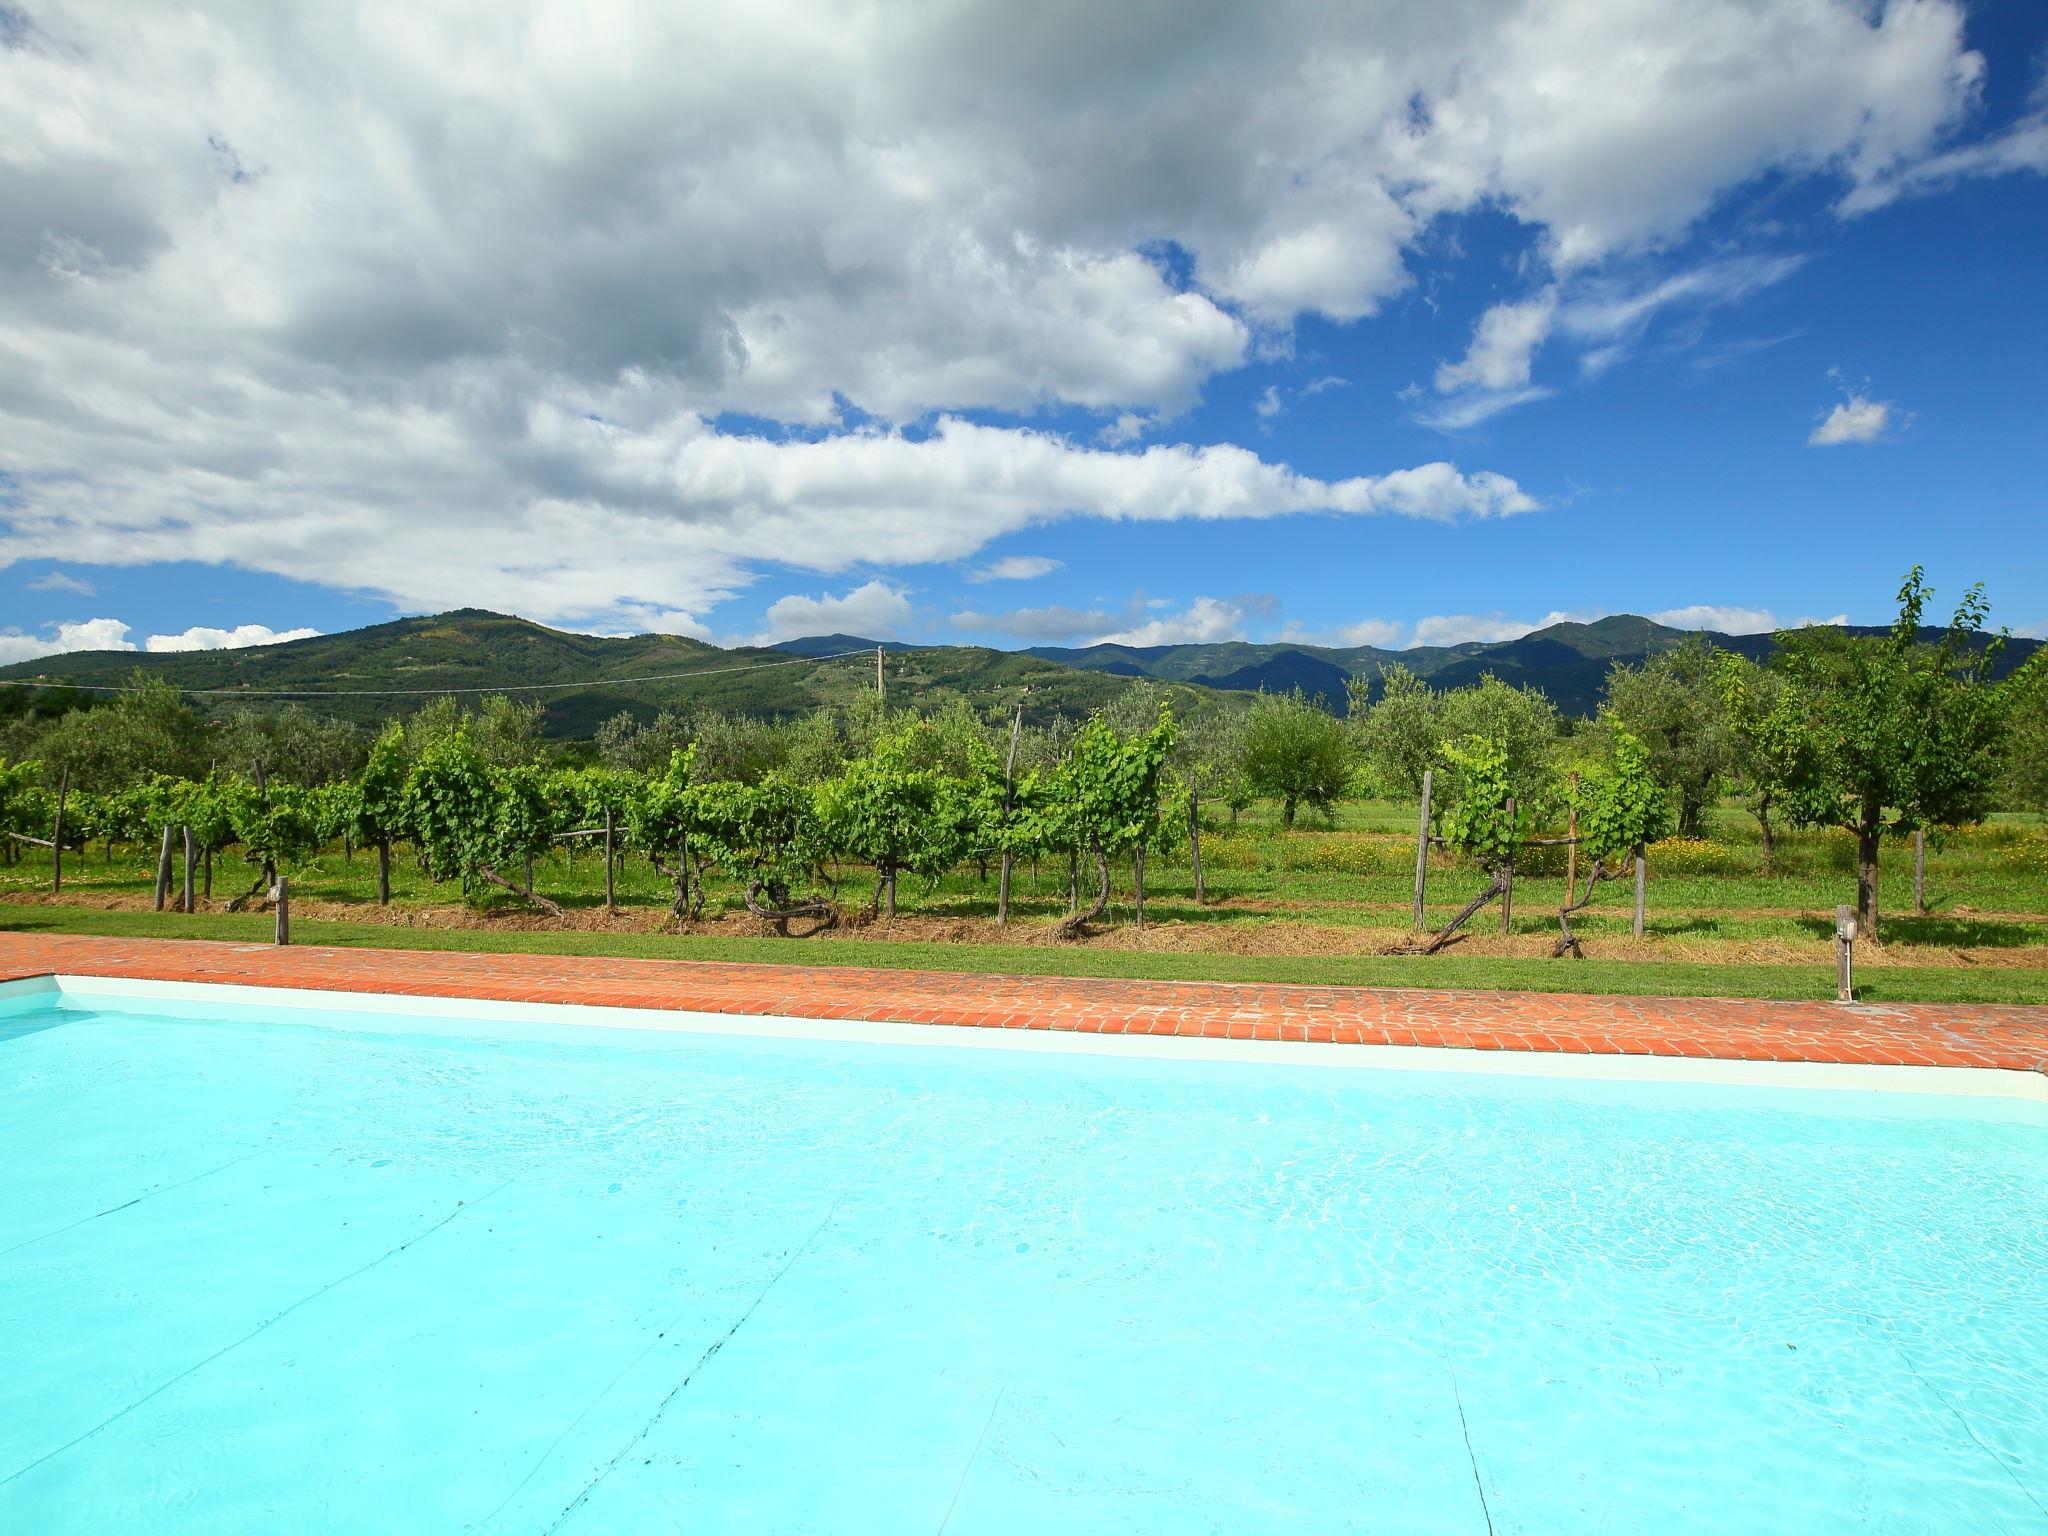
pixel 415 693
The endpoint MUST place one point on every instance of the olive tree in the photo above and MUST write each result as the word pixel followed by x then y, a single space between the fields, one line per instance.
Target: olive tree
pixel 1400 733
pixel 1294 751
pixel 1521 722
pixel 1673 705
pixel 2023 780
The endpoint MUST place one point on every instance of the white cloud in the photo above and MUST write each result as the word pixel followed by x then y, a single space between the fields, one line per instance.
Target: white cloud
pixel 58 581
pixel 875 610
pixel 1460 628
pixel 1469 410
pixel 1503 345
pixel 667 516
pixel 1383 633
pixel 1858 419
pixel 201 638
pixel 1042 624
pixel 1204 621
pixel 1015 568
pixel 1127 428
pixel 2020 148
pixel 1725 620
pixel 439 301
pixel 81 635
pixel 1269 404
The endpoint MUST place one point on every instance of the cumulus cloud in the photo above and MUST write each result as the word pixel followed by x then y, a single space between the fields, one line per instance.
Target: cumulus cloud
pixel 1858 419
pixel 875 610
pixel 1203 621
pixel 201 638
pixel 1054 623
pixel 1463 628
pixel 1015 568
pixel 81 635
pixel 445 299
pixel 1503 345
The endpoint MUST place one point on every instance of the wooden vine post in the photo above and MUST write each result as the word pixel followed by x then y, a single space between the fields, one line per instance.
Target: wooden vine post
pixel 1422 844
pixel 57 835
pixel 1195 833
pixel 610 828
pixel 281 893
pixel 1009 795
pixel 1507 889
pixel 1571 848
pixel 190 902
pixel 1920 871
pixel 1640 868
pixel 881 691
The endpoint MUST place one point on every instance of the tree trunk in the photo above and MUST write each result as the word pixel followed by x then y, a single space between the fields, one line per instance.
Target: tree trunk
pixel 529 874
pixel 1866 876
pixel 1138 882
pixel 889 881
pixel 163 872
pixel 1079 920
pixel 1568 942
pixel 1073 879
pixel 1287 814
pixel 383 871
pixel 1449 930
pixel 500 881
pixel 206 876
pixel 1770 835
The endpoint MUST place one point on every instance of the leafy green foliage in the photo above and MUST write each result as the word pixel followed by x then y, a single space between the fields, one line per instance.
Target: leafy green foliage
pixel 1296 752
pixel 1674 707
pixel 466 818
pixel 1400 733
pixel 1619 802
pixel 1521 722
pixel 2024 704
pixel 1903 734
pixel 1474 818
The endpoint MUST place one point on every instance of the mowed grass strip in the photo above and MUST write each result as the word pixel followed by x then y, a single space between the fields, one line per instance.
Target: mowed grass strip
pixel 1627 978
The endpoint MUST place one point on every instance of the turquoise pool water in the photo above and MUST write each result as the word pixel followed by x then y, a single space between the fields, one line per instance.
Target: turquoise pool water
pixel 298 1272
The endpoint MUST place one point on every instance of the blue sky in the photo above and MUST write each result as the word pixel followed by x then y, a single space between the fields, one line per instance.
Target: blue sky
pixel 1404 334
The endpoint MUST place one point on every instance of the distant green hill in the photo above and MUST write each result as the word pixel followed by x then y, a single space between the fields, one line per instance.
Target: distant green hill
pixel 1569 662
pixel 367 675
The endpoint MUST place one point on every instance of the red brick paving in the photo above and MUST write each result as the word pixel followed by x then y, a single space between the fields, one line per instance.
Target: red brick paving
pixel 1917 1034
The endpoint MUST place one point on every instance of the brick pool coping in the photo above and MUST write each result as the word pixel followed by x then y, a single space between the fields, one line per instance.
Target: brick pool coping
pixel 1727 1029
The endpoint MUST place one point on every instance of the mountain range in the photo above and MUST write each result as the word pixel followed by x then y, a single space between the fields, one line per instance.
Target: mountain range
pixel 369 674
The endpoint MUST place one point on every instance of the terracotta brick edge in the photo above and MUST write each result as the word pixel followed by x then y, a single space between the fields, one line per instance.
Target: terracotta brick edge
pixel 2012 1038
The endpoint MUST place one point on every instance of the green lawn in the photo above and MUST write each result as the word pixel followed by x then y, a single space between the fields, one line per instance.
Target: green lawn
pixel 1891 984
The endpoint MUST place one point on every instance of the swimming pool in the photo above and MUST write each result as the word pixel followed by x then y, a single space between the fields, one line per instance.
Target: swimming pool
pixel 269 1268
